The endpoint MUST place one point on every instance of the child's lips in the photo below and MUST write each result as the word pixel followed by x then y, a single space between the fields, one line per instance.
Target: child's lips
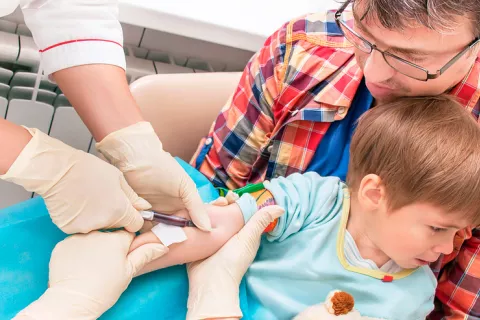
pixel 425 262
pixel 421 262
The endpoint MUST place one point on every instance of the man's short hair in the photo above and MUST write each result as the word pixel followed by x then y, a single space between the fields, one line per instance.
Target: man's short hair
pixel 425 150
pixel 435 14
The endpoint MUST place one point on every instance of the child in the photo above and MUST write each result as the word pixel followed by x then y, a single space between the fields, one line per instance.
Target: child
pixel 413 182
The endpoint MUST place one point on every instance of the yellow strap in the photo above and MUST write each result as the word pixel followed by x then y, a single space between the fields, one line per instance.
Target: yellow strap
pixel 340 247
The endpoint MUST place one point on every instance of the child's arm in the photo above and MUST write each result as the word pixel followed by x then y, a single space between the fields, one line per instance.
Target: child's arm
pixel 308 200
pixel 226 222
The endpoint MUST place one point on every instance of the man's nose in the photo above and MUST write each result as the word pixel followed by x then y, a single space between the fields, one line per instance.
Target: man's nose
pixel 376 69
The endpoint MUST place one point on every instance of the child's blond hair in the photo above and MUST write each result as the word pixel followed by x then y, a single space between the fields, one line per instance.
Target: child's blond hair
pixel 425 149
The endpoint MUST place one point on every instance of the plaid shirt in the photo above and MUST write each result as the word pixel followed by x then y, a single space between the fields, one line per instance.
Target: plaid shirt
pixel 303 79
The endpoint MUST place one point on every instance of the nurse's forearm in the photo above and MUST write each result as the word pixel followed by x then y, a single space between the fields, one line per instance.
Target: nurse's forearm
pixel 13 139
pixel 101 96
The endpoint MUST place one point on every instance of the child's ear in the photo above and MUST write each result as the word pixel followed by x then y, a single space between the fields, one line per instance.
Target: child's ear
pixel 371 192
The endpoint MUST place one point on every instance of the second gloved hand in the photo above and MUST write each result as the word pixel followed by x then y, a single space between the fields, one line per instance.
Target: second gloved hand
pixel 153 173
pixel 88 273
pixel 215 281
pixel 81 192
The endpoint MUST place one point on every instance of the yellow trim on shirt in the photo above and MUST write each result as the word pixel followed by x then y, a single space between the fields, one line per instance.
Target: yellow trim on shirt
pixel 340 247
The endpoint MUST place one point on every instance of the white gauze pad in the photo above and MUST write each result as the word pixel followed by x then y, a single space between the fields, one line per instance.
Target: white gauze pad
pixel 168 234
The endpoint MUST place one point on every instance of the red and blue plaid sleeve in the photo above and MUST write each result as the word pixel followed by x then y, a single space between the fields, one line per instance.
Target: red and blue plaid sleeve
pixel 459 282
pixel 240 133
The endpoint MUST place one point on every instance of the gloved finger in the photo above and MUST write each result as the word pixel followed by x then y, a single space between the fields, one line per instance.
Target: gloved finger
pixel 137 202
pixel 220 202
pixel 78 246
pixel 231 197
pixel 144 238
pixel 122 236
pixel 194 205
pixel 193 265
pixel 132 220
pixel 118 239
pixel 145 254
pixel 254 228
pixel 75 241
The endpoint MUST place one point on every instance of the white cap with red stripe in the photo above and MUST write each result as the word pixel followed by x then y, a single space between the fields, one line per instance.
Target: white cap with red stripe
pixel 8 6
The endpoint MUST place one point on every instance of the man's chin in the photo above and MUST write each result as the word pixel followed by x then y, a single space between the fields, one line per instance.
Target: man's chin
pixel 383 99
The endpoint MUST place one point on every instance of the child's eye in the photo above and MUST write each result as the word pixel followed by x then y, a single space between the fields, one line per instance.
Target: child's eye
pixel 436 229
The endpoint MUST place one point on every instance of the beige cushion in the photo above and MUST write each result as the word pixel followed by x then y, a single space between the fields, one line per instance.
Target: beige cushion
pixel 182 107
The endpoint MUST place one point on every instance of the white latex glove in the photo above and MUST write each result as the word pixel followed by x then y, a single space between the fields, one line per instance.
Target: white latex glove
pixel 215 281
pixel 81 192
pixel 229 198
pixel 153 173
pixel 88 273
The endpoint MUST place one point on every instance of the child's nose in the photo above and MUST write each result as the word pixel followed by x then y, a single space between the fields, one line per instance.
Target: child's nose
pixel 446 247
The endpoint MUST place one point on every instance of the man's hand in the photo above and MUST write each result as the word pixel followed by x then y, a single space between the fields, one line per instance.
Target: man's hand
pixel 153 173
pixel 88 273
pixel 81 192
pixel 215 281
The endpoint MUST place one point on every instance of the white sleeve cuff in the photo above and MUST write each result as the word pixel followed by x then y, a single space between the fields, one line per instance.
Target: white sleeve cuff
pixel 247 205
pixel 75 32
pixel 81 53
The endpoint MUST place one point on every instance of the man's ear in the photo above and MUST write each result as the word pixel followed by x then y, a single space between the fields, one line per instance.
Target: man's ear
pixel 371 192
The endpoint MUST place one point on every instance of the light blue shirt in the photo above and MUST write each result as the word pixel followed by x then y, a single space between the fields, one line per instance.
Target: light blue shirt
pixel 302 260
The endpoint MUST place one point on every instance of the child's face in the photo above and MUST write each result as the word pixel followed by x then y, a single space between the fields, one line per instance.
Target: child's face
pixel 416 234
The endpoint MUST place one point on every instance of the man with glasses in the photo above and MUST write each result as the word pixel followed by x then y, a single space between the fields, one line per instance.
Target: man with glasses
pixel 299 97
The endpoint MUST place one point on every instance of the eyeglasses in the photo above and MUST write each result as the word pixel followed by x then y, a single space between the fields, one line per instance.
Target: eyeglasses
pixel 401 65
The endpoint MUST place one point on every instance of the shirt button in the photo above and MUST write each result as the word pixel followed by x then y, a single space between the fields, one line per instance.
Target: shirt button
pixel 342 110
pixel 269 149
pixel 208 141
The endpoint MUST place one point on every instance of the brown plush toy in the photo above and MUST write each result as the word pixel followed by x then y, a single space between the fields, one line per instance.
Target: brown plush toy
pixel 339 305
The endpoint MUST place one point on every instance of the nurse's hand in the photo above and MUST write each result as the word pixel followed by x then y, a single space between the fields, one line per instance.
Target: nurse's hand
pixel 215 281
pixel 88 273
pixel 81 192
pixel 153 173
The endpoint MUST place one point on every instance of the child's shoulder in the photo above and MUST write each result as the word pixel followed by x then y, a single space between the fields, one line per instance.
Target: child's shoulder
pixel 309 187
pixel 313 179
